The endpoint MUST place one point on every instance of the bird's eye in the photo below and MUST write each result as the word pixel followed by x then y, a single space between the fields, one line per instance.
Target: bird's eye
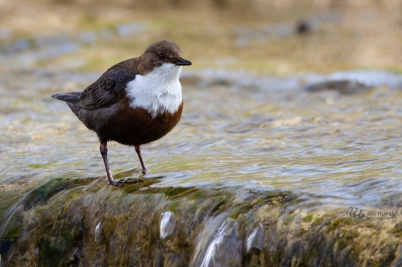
pixel 162 57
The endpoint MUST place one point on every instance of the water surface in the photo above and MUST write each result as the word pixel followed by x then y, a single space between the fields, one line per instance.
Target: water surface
pixel 268 134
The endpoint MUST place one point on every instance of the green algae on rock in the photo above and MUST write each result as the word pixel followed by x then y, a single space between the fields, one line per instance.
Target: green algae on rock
pixel 87 223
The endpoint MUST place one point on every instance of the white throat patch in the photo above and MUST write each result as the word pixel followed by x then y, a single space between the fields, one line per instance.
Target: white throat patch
pixel 158 91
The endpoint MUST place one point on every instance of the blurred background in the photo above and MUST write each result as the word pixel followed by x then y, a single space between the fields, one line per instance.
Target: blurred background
pixel 275 37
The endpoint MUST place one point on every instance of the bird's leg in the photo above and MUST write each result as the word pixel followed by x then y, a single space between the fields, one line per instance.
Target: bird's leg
pixel 144 168
pixel 103 151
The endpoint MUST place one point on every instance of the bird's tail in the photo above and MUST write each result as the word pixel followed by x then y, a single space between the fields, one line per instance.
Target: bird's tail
pixel 71 99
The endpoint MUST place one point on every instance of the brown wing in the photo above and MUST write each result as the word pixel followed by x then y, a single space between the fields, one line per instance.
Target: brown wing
pixel 106 91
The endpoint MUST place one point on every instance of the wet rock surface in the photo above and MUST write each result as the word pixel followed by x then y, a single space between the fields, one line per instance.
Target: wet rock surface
pixel 212 229
pixel 224 248
pixel 255 239
pixel 168 224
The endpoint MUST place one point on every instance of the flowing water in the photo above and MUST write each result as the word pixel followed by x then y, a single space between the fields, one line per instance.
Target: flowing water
pixel 333 148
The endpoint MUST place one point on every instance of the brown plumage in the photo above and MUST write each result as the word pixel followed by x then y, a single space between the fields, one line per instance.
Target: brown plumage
pixel 118 109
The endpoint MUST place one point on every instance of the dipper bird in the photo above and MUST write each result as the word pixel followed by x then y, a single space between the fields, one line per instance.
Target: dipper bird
pixel 135 102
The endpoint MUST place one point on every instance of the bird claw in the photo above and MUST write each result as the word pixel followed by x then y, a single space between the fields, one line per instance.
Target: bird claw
pixel 120 182
pixel 114 182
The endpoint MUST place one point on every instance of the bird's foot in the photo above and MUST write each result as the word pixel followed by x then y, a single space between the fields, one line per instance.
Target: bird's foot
pixel 110 178
pixel 129 181
pixel 144 171
pixel 113 182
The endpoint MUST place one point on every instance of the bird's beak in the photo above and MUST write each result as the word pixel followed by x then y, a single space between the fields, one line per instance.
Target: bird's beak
pixel 183 62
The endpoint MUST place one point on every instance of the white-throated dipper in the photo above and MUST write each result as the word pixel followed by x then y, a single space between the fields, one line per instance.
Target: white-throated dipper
pixel 135 102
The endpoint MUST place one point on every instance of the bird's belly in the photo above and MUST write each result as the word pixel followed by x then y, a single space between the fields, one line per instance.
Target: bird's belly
pixel 136 126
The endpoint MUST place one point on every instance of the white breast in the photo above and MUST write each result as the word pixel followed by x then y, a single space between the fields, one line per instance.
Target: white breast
pixel 158 91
